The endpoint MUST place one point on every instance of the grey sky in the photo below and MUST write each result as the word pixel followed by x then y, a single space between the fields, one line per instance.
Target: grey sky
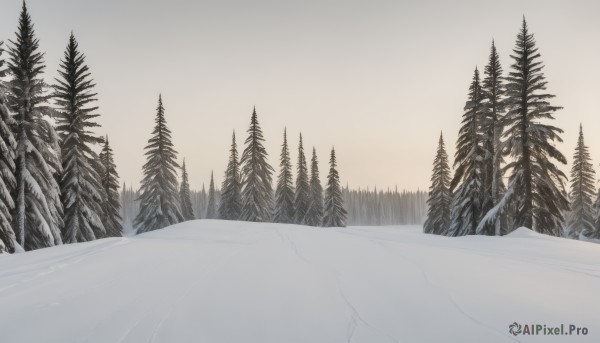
pixel 377 79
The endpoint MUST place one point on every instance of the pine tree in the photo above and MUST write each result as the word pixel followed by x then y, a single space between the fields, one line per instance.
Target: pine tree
pixel 256 177
pixel 493 182
pixel 284 193
pixel 314 215
pixel 582 192
pixel 595 234
pixel 81 190
pixel 211 208
pixel 159 199
pixel 302 196
pixel 202 203
pixel 111 205
pixel 230 206
pixel 536 184
pixel 335 214
pixel 184 194
pixel 440 198
pixel 37 212
pixel 468 197
pixel 7 167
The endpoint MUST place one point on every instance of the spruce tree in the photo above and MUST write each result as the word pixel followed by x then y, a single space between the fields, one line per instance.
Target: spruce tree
pixel 468 196
pixel 256 173
pixel 159 198
pixel 284 193
pixel 37 212
pixel 302 196
pixel 81 190
pixel 111 205
pixel 202 203
pixel 211 208
pixel 536 184
pixel 595 234
pixel 185 196
pixel 314 215
pixel 7 166
pixel 582 192
pixel 335 214
pixel 440 198
pixel 230 206
pixel 493 178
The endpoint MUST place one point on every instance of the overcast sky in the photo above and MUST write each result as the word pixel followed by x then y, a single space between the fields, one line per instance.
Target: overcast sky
pixel 376 79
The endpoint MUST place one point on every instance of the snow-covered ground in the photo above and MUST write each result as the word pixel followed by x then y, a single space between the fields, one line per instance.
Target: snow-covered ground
pixel 216 281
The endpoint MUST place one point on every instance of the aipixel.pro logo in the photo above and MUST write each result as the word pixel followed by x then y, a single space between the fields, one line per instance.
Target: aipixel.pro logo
pixel 545 330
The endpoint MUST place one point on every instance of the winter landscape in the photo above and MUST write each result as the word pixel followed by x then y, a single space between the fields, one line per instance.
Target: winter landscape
pixel 288 172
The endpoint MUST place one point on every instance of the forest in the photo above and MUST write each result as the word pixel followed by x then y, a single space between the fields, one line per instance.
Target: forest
pixel 507 168
pixel 59 182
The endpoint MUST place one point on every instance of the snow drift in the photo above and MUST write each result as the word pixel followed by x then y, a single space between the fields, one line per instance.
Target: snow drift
pixel 217 281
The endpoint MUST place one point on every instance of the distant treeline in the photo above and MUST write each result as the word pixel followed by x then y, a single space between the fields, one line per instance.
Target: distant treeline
pixel 375 207
pixel 364 206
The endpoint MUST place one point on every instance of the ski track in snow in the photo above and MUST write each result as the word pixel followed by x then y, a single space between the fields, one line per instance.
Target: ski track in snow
pixel 451 299
pixel 45 268
pixel 362 284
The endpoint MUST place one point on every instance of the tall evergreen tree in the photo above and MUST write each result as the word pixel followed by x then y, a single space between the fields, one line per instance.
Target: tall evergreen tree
pixel 335 214
pixel 536 184
pixel 111 205
pixel 211 208
pixel 596 208
pixel 202 203
pixel 582 192
pixel 314 215
pixel 81 190
pixel 440 198
pixel 184 194
pixel 493 178
pixel 230 206
pixel 257 191
pixel 284 193
pixel 37 212
pixel 7 166
pixel 302 196
pixel 468 197
pixel 159 199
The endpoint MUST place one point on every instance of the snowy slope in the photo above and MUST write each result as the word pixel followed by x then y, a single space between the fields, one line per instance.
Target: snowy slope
pixel 216 281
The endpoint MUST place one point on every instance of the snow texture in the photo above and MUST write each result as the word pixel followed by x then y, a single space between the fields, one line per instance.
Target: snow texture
pixel 227 281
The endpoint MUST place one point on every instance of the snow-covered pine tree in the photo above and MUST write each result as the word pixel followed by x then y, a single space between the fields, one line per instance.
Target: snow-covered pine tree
pixel 256 173
pixel 211 208
pixel 159 198
pixel 284 193
pixel 440 198
pixel 7 166
pixel 302 195
pixel 536 184
pixel 80 186
pixel 201 203
pixel 111 205
pixel 230 206
pixel 595 234
pixel 37 212
pixel 468 161
pixel 582 192
pixel 493 178
pixel 184 194
pixel 335 214
pixel 314 215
